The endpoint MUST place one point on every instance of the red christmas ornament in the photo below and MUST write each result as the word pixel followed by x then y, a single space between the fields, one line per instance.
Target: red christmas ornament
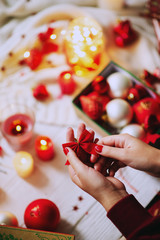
pixel 49 47
pixel 46 35
pixel 100 85
pixel 91 106
pixel 34 58
pixel 150 78
pixel 124 33
pixel 151 123
pixel 83 148
pixel 103 99
pixel 136 93
pixel 145 108
pixel 42 214
pixel 152 139
pixel 40 92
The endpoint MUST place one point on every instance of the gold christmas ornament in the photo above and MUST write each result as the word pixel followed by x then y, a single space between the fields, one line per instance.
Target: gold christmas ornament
pixel 119 112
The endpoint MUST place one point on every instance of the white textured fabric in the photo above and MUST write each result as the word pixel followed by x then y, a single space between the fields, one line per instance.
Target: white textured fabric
pixel 50 179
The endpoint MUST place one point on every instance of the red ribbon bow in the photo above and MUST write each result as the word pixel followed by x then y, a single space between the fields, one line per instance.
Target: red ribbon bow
pixel 82 147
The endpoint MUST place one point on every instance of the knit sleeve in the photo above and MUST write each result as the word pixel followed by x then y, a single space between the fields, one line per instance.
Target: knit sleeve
pixel 133 220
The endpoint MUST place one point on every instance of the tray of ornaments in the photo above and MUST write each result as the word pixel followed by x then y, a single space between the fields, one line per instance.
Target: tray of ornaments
pixel 117 102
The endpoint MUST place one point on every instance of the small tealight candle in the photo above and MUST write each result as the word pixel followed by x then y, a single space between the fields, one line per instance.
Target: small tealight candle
pixel 17 125
pixel 23 164
pixel 66 82
pixel 44 148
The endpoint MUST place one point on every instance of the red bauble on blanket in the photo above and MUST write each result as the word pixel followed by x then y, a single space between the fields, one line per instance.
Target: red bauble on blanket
pixel 83 148
pixel 125 34
pixel 40 92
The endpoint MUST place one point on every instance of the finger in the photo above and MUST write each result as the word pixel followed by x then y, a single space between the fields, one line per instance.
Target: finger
pixel 80 129
pixel 92 133
pixel 74 176
pixel 94 158
pixel 113 140
pixel 70 135
pixel 112 152
pixel 76 164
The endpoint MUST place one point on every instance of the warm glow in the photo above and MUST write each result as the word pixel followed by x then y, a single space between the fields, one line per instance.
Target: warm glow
pixel 53 36
pixel 67 76
pixel 43 144
pixel 23 164
pixel 23 160
pixel 63 32
pixel 26 54
pixel 18 128
pixel 93 48
pixel 83 43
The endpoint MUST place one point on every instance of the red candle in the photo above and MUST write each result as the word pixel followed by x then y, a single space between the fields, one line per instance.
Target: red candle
pixel 44 148
pixel 17 129
pixel 66 82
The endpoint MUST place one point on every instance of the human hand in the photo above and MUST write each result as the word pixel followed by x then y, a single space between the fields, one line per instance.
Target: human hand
pixel 106 190
pixel 128 150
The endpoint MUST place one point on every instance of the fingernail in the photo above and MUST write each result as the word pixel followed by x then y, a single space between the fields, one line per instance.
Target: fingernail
pixel 98 148
pixel 67 163
pixel 66 151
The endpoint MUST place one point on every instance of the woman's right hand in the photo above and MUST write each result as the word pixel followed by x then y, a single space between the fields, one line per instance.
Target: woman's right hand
pixel 126 150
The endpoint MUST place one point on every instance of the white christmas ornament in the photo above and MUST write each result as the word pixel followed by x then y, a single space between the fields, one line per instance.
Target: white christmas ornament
pixel 7 218
pixel 134 129
pixel 119 85
pixel 119 113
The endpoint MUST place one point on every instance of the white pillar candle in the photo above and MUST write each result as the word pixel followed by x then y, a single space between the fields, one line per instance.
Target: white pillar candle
pixel 23 164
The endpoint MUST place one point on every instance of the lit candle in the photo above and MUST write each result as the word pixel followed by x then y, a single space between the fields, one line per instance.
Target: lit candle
pixel 17 125
pixel 84 44
pixel 66 82
pixel 23 164
pixel 44 148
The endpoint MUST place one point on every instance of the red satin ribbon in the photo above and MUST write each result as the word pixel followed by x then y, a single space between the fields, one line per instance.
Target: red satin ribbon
pixel 85 142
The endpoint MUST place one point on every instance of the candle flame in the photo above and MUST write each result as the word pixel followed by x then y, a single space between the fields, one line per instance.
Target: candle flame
pixel 67 76
pixel 23 160
pixel 18 128
pixel 53 36
pixel 43 142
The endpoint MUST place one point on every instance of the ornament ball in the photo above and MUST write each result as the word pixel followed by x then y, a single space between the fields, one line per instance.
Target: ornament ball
pixel 119 85
pixel 119 113
pixel 7 218
pixel 134 129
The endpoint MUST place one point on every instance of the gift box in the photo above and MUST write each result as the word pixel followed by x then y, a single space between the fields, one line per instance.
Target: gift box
pixel 7 232
pixel 90 104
